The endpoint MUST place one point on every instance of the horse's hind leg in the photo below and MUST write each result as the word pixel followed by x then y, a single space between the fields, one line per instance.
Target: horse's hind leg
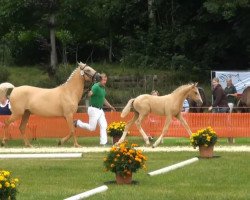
pixel 165 128
pixel 138 124
pixel 22 128
pixel 7 122
pixel 127 127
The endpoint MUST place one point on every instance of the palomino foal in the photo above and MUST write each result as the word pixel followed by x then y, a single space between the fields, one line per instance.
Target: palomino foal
pixel 61 101
pixel 169 105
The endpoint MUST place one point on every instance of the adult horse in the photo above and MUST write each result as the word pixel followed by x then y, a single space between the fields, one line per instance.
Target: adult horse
pixel 169 105
pixel 194 107
pixel 61 101
pixel 244 101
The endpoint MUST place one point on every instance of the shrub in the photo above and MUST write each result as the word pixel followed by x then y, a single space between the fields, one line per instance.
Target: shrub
pixel 4 74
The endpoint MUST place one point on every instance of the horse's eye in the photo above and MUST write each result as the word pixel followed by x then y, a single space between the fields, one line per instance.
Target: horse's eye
pixel 196 92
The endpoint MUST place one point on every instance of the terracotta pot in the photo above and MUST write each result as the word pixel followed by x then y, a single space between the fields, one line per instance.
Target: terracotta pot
pixel 206 152
pixel 116 139
pixel 123 179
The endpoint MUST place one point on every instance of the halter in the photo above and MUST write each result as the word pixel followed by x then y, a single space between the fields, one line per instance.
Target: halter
pixel 90 76
pixel 87 74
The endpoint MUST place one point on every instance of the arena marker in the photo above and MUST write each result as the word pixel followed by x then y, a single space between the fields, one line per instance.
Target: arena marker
pixel 173 167
pixel 42 155
pixel 89 193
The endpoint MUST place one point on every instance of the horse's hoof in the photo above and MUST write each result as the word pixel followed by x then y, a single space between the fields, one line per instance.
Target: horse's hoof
pixel 59 143
pixel 2 144
pixel 77 146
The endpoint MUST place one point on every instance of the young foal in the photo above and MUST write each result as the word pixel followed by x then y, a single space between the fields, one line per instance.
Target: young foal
pixel 56 102
pixel 168 105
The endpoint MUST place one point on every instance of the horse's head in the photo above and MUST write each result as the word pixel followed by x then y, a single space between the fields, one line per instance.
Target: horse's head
pixel 88 72
pixel 194 94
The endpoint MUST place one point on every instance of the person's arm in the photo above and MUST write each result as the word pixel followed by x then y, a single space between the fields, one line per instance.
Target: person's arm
pixel 92 91
pixel 234 94
pixel 106 103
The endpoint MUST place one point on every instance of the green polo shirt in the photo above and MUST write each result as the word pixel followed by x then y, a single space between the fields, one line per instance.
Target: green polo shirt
pixel 230 90
pixel 98 96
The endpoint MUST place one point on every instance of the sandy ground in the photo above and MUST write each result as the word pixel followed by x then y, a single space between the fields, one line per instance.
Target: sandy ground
pixel 105 149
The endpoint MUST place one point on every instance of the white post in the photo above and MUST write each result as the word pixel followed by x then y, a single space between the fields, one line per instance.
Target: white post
pixel 173 167
pixel 88 193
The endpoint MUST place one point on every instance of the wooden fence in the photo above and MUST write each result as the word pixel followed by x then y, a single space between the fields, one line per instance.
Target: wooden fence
pixel 225 124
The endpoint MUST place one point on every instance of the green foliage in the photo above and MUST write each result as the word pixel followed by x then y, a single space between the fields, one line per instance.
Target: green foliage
pixel 62 74
pixel 4 74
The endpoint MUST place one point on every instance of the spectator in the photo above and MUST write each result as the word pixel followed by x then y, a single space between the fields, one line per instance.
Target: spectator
pixel 219 98
pixel 231 93
pixel 5 106
pixel 185 107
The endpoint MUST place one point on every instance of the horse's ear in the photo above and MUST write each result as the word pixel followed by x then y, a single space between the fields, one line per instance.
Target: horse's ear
pixel 195 84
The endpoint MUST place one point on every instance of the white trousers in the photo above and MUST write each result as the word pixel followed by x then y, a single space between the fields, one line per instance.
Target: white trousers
pixel 96 116
pixel 231 106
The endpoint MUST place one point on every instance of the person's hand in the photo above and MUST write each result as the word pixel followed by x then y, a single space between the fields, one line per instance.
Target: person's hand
pixel 112 108
pixel 210 108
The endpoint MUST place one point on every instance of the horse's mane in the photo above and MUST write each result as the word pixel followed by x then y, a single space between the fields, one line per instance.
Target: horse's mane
pixel 71 75
pixel 182 87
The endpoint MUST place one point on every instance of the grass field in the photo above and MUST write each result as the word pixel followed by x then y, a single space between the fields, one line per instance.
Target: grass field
pixel 222 178
pixel 94 141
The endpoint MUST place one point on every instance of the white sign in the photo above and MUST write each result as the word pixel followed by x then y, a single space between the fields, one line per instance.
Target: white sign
pixel 240 79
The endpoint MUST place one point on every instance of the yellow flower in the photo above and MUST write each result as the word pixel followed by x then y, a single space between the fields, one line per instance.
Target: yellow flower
pixel 112 165
pixel 1 186
pixel 7 184
pixel 1 178
pixel 16 180
pixel 6 173
pixel 105 159
pixel 12 185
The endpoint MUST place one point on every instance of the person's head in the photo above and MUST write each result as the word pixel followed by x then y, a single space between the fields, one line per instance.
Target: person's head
pixel 215 82
pixel 229 82
pixel 103 79
pixel 155 93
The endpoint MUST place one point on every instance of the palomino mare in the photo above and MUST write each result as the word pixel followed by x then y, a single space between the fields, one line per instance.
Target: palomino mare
pixel 244 101
pixel 169 105
pixel 194 107
pixel 56 102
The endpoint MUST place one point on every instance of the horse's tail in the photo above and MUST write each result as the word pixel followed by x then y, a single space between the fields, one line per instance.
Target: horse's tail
pixel 4 89
pixel 127 108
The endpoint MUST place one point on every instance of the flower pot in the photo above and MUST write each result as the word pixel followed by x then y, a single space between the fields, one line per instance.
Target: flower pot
pixel 123 179
pixel 206 152
pixel 116 139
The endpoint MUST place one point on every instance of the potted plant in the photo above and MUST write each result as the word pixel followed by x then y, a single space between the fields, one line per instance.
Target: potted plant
pixel 8 185
pixel 115 130
pixel 124 160
pixel 205 139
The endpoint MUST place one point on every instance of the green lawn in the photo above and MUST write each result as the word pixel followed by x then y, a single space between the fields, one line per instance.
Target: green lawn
pixel 94 141
pixel 222 178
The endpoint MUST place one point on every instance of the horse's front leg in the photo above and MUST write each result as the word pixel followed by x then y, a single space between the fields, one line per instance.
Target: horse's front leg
pixel 165 129
pixel 184 123
pixel 69 119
